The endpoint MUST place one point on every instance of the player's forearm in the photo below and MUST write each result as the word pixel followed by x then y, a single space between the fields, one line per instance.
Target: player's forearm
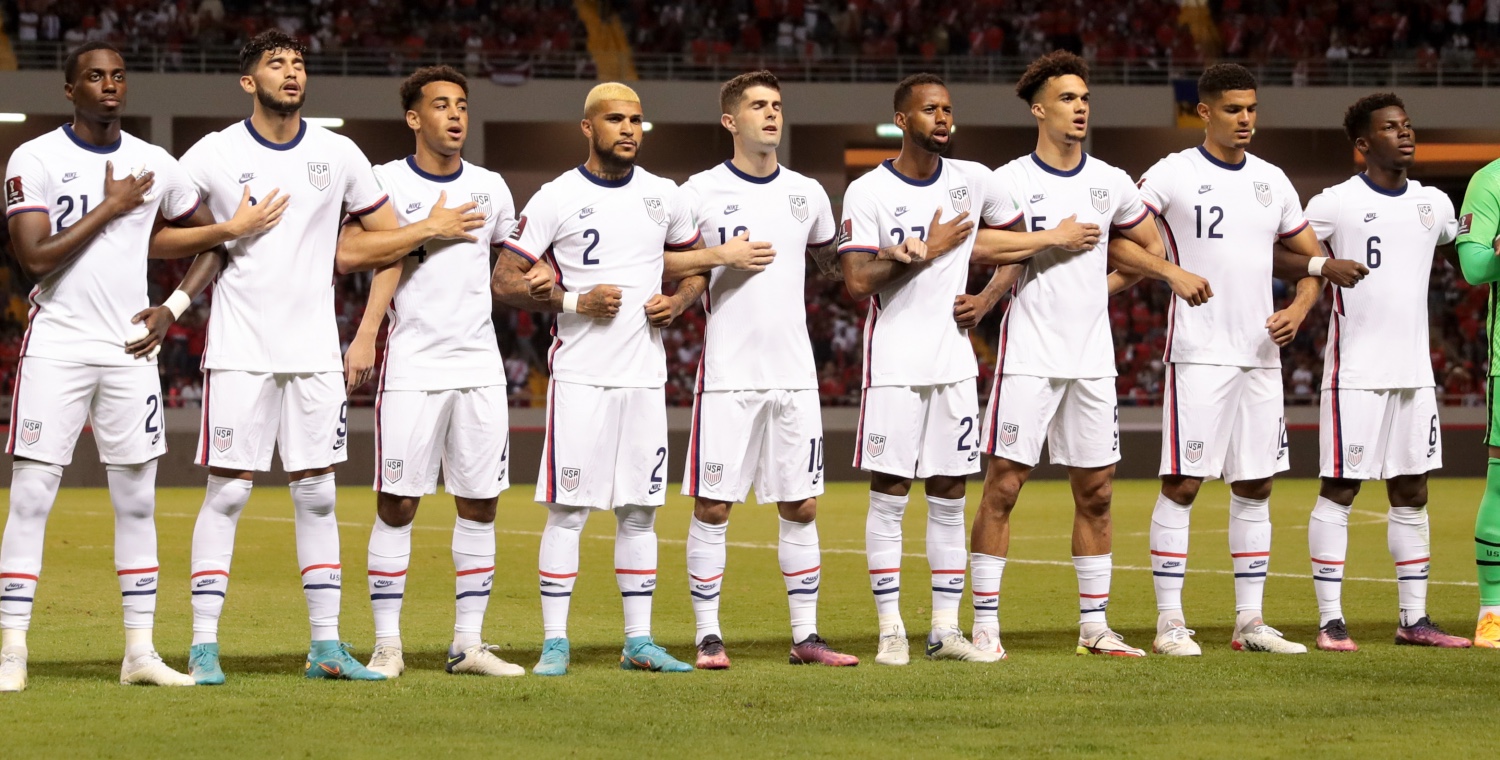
pixel 1119 282
pixel 999 247
pixel 173 242
pixel 865 275
pixel 679 264
pixel 1131 258
pixel 361 249
pixel 508 285
pixel 382 290
pixel 826 257
pixel 1002 280
pixel 1308 290
pixel 1288 265
pixel 204 269
pixel 1478 262
pixel 689 290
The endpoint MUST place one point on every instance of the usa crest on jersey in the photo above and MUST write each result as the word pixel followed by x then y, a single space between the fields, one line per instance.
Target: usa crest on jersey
pixel 799 207
pixel 1100 198
pixel 319 174
pixel 960 198
pixel 1424 215
pixel 393 470
pixel 1263 193
pixel 656 210
pixel 482 203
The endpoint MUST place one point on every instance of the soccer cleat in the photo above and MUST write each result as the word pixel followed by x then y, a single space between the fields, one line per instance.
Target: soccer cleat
pixel 1107 642
pixel 953 646
pixel 1425 633
pixel 387 661
pixel 1176 641
pixel 480 660
pixel 1334 637
pixel 894 649
pixel 13 670
pixel 1487 633
pixel 815 651
pixel 555 658
pixel 1260 637
pixel 149 670
pixel 203 665
pixel 641 653
pixel 331 660
pixel 711 654
pixel 988 640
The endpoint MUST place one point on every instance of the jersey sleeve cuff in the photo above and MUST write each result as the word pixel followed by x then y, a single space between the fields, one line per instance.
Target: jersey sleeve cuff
pixel 1003 225
pixel 519 251
pixel 1145 212
pixel 1298 229
pixel 829 241
pixel 22 210
pixel 1152 206
pixel 371 207
pixel 689 243
pixel 183 217
pixel 859 249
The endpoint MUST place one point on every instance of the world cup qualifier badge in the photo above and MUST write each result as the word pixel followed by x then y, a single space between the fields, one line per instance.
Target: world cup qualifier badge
pixel 14 193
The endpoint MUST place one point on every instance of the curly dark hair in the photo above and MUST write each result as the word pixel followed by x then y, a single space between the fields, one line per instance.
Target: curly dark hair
pixel 1223 77
pixel 1357 118
pixel 70 64
pixel 411 89
pixel 1058 63
pixel 731 93
pixel 268 41
pixel 905 86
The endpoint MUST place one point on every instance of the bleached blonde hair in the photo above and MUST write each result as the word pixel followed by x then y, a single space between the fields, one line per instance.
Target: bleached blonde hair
pixel 607 91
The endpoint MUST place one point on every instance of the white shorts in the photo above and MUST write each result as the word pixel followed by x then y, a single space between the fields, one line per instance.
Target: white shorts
pixel 53 400
pixel 1078 418
pixel 605 447
pixel 919 431
pixel 465 430
pixel 1374 435
pixel 247 415
pixel 771 438
pixel 1223 422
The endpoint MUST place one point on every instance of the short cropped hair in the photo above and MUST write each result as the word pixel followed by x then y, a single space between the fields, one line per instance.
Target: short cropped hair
pixel 1058 63
pixel 1357 118
pixel 70 64
pixel 268 41
pixel 608 91
pixel 411 89
pixel 732 93
pixel 1223 77
pixel 905 86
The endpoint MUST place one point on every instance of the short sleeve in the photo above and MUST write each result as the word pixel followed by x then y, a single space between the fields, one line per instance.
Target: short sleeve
pixel 504 208
pixel 1130 210
pixel 196 165
pixel 859 231
pixel 1155 187
pixel 362 193
pixel 1479 218
pixel 1323 213
pixel 1000 209
pixel 536 229
pixel 1292 219
pixel 824 229
pixel 682 229
pixel 25 184
pixel 180 198
pixel 1448 229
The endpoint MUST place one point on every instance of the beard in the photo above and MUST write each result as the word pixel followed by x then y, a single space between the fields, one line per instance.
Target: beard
pixel 611 162
pixel 927 143
pixel 268 100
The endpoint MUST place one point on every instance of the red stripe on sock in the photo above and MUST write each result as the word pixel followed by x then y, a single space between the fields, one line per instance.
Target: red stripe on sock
pixel 1250 554
pixel 886 570
pixel 224 573
pixel 1413 561
pixel 137 571
pixel 1156 553
pixel 803 572
pixel 986 593
pixel 627 571
pixel 19 575
pixel 311 568
pixel 1094 596
pixel 1333 562
pixel 948 572
pixel 476 571
pixel 384 574
pixel 545 574
pixel 703 580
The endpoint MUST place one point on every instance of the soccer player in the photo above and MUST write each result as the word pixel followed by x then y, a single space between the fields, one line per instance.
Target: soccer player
pixel 81 202
pixel 1379 413
pixel 1054 379
pixel 606 226
pixel 272 369
pixel 756 415
pixel 441 399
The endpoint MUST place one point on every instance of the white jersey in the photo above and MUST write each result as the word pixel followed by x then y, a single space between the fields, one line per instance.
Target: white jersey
pixel 441 336
pixel 910 336
pixel 1221 221
pixel 1377 339
pixel 1057 324
pixel 606 232
pixel 273 305
pixel 81 312
pixel 757 322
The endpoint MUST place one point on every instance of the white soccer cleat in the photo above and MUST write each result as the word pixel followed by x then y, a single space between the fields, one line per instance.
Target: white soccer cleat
pixel 387 661
pixel 1176 641
pixel 1107 642
pixel 1263 638
pixel 953 646
pixel 149 670
pixel 894 649
pixel 13 670
pixel 479 660
pixel 988 640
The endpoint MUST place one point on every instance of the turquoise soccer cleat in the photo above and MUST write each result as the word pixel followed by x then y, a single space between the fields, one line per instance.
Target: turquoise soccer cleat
pixel 555 658
pixel 641 653
pixel 203 665
pixel 331 660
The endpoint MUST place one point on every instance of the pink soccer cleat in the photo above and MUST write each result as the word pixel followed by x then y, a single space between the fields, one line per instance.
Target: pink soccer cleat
pixel 1334 637
pixel 815 651
pixel 1425 633
pixel 711 654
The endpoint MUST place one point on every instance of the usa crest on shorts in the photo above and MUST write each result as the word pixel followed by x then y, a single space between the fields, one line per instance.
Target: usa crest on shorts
pixel 713 472
pixel 319 174
pixel 482 203
pixel 960 198
pixel 1356 454
pixel 656 210
pixel 223 438
pixel 1009 431
pixel 1099 196
pixel 875 445
pixel 393 470
pixel 1424 215
pixel 31 432
pixel 1194 451
pixel 570 476
pixel 799 207
pixel 1263 193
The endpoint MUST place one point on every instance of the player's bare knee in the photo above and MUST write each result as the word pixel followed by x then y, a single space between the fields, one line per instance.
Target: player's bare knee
pixel 1180 488
pixel 225 472
pixel 1093 500
pixel 946 486
pixel 396 511
pixel 1258 490
pixel 1407 491
pixel 475 510
pixel 804 511
pixel 710 512
pixel 1340 491
pixel 890 485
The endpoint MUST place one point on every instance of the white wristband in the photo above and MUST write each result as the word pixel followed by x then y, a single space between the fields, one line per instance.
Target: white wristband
pixel 570 303
pixel 1315 265
pixel 178 302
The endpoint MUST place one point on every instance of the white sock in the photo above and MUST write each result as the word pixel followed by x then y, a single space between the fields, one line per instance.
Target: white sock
pixel 635 565
pixel 386 563
pixel 557 566
pixel 883 552
pixel 318 553
pixel 947 555
pixel 13 640
pixel 705 565
pixel 1328 540
pixel 132 492
pixel 1169 551
pixel 474 575
pixel 213 548
pixel 1093 588
pixel 987 570
pixel 33 489
pixel 1407 538
pixel 1250 550
pixel 138 643
pixel 801 563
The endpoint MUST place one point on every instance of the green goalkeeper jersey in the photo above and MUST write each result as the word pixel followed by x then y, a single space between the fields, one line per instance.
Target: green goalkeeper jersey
pixel 1478 224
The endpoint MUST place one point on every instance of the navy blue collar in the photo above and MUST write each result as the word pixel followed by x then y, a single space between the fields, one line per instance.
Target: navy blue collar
pixel 766 180
pixel 1381 190
pixel 411 161
pixel 1222 164
pixel 1059 172
pixel 600 181
pixel 90 147
pixel 301 131
pixel 890 163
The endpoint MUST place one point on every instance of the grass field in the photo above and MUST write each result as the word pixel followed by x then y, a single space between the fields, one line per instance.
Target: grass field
pixel 1383 701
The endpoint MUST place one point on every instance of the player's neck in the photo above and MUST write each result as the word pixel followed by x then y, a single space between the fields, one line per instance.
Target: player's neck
pixel 279 128
pixel 1232 156
pixel 916 163
pixel 1062 156
pixel 755 164
pixel 1386 178
pixel 437 164
pixel 100 133
pixel 612 172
